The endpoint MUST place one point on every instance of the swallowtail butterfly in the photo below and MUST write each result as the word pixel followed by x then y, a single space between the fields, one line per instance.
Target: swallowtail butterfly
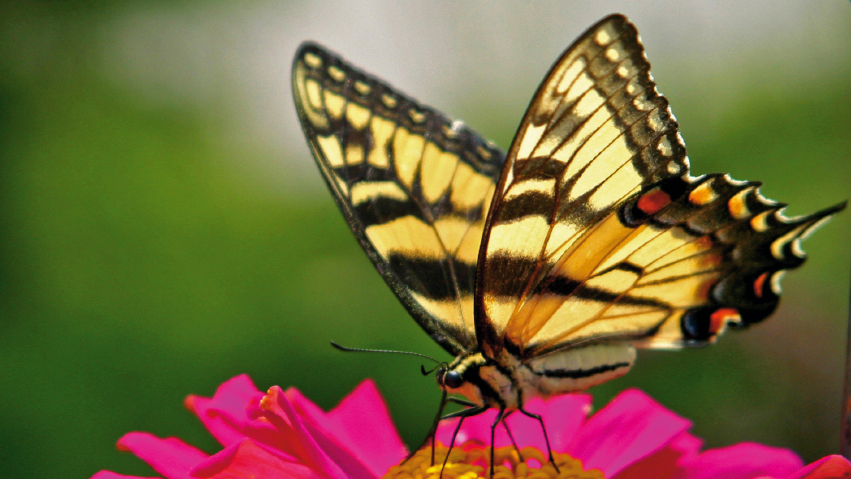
pixel 541 270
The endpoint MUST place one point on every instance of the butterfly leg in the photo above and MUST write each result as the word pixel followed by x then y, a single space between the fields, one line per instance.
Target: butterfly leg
pixel 462 402
pixel 434 430
pixel 499 417
pixel 463 414
pixel 431 432
pixel 511 436
pixel 546 438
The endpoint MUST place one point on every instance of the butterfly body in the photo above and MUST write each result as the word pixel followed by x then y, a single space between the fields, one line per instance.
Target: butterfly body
pixel 507 382
pixel 543 268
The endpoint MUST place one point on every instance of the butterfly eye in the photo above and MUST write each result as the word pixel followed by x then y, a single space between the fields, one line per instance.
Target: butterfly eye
pixel 439 376
pixel 452 380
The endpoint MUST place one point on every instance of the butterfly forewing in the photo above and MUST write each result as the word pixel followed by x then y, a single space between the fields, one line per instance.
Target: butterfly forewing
pixel 597 231
pixel 413 185
pixel 590 140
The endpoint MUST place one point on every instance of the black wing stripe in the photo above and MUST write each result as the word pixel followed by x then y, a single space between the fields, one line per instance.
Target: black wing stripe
pixel 599 218
pixel 413 185
pixel 563 115
pixel 580 373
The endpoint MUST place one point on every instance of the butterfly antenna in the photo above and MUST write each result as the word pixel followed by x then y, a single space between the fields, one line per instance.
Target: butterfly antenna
pixel 361 350
pixel 427 372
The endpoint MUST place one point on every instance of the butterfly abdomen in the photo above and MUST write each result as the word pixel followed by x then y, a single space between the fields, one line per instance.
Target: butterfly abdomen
pixel 577 369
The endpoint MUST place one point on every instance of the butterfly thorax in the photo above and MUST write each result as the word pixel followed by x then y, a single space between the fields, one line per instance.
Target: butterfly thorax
pixel 484 380
pixel 509 381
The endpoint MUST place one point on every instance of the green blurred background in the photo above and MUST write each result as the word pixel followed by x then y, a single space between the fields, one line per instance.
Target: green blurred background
pixel 163 227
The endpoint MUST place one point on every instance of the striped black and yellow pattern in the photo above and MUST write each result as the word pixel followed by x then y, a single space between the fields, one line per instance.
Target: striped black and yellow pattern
pixel 414 186
pixel 590 231
pixel 598 232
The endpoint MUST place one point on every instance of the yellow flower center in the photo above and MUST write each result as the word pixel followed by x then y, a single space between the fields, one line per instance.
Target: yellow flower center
pixel 471 461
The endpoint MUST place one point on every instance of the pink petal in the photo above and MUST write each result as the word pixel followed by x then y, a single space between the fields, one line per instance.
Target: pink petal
pixel 234 414
pixel 741 461
pixel 563 416
pixel 170 457
pixel 246 459
pixel 664 463
pixel 830 467
pixel 362 421
pixel 320 449
pixel 629 428
pixel 280 417
pixel 112 475
pixel 337 451
pixel 225 415
pixel 476 428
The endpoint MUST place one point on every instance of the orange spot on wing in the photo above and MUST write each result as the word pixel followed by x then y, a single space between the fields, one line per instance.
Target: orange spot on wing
pixel 713 259
pixel 654 201
pixel 702 195
pixel 719 319
pixel 759 283
pixel 703 290
pixel 704 242
pixel 737 207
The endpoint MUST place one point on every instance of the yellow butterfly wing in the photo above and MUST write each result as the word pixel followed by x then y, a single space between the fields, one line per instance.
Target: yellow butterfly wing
pixel 413 185
pixel 597 232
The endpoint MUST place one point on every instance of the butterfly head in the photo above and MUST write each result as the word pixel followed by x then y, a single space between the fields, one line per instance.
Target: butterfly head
pixel 449 379
pixel 463 377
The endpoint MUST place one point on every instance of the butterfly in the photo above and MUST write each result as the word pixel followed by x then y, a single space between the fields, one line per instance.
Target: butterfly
pixel 543 269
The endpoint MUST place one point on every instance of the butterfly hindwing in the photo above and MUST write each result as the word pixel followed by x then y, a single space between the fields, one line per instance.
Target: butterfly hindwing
pixel 413 185
pixel 598 233
pixel 735 247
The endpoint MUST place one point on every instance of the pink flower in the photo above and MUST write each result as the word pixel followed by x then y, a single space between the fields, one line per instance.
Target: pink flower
pixel 282 434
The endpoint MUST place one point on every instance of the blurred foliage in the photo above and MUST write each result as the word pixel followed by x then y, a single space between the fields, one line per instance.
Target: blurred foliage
pixel 139 263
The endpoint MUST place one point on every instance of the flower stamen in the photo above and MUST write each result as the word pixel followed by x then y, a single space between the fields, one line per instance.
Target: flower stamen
pixel 471 461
